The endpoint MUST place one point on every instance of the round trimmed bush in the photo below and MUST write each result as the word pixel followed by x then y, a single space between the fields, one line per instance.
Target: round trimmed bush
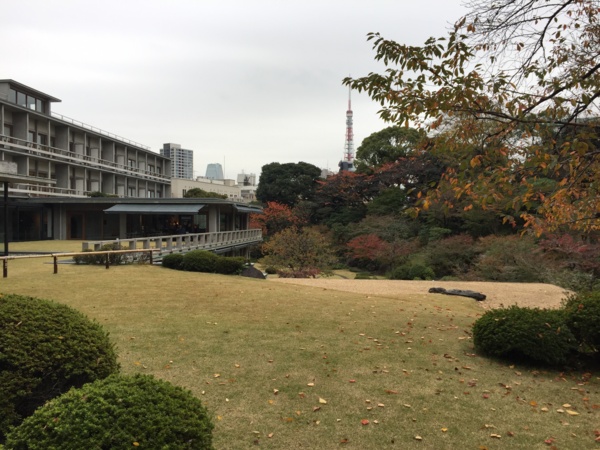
pixel 200 261
pixel 45 349
pixel 583 317
pixel 118 412
pixel 412 271
pixel 229 265
pixel 539 335
pixel 173 261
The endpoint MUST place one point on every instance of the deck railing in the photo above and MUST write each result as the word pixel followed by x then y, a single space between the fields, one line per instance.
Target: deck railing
pixel 182 243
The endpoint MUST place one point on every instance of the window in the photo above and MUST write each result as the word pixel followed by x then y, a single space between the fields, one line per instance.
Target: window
pixel 42 139
pixel 132 163
pixel 150 168
pixel 131 191
pixel 31 102
pixel 21 99
pixel 12 96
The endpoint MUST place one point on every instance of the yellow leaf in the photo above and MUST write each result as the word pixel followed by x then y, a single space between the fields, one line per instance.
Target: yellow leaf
pixel 444 429
pixel 311 384
pixel 572 413
pixel 136 444
pixel 322 401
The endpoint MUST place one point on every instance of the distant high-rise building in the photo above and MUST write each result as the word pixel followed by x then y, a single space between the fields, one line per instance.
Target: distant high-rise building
pixel 246 179
pixel 214 171
pixel 182 160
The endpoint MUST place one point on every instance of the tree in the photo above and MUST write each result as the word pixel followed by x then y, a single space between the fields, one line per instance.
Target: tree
pixel 275 217
pixel 287 183
pixel 522 75
pixel 386 146
pixel 201 193
pixel 301 251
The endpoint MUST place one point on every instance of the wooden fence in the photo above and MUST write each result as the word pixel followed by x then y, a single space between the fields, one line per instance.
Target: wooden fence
pixel 55 256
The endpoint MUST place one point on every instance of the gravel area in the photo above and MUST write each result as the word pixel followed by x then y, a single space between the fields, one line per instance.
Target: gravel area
pixel 497 294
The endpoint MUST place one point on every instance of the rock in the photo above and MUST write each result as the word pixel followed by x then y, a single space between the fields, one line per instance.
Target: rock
pixel 463 293
pixel 253 272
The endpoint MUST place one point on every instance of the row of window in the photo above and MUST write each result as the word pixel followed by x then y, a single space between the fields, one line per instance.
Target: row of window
pixel 26 100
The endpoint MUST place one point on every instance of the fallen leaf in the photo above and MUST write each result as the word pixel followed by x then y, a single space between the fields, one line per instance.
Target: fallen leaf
pixel 311 384
pixel 217 375
pixel 495 436
pixel 351 381
pixel 275 391
pixel 316 408
pixel 418 438
pixel 572 413
pixel 365 421
pixel 344 441
pixel 533 403
pixel 389 391
pixel 322 401
pixel 270 435
pixel 444 430
pixel 381 405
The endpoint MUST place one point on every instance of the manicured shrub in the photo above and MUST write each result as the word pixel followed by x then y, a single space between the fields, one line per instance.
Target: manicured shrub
pixel 229 265
pixel 412 271
pixel 45 349
pixel 173 261
pixel 118 412
pixel 583 318
pixel 363 276
pixel 200 261
pixel 537 335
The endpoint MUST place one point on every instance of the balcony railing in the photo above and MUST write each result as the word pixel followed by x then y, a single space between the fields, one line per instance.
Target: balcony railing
pixel 98 130
pixel 217 242
pixel 53 153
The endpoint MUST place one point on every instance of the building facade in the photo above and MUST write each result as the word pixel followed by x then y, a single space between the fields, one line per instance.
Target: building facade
pixel 67 158
pixel 182 160
pixel 63 179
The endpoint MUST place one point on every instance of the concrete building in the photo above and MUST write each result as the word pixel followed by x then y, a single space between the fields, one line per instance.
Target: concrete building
pixel 182 160
pixel 64 179
pixel 67 158
pixel 179 187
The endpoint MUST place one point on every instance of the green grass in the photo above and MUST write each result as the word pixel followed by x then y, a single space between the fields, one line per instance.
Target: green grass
pixel 261 355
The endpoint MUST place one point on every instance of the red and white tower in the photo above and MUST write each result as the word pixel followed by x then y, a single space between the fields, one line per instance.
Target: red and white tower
pixel 347 163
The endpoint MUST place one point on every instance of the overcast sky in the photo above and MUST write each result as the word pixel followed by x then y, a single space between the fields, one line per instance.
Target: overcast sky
pixel 243 83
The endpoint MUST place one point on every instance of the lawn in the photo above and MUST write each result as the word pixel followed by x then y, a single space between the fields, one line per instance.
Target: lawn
pixel 283 366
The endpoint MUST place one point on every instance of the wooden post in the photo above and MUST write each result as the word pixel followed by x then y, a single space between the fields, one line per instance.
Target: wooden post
pixel 4 268
pixel 107 259
pixel 56 264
